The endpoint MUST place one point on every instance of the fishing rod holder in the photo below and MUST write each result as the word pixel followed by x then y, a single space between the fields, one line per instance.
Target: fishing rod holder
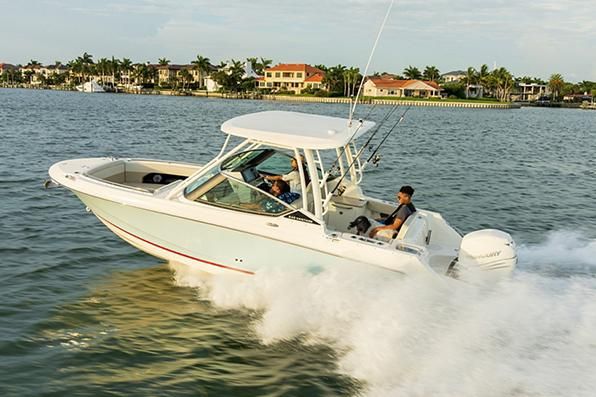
pixel 376 159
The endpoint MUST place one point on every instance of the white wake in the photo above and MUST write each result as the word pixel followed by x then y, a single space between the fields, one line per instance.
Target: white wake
pixel 532 335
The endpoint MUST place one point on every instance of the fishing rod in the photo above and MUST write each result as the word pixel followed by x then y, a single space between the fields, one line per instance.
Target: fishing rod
pixel 333 166
pixel 374 153
pixel 398 122
pixel 353 106
pixel 368 141
pixel 370 57
pixel 335 162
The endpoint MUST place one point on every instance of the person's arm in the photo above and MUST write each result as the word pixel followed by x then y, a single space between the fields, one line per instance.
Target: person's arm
pixel 292 176
pixel 394 226
pixel 273 177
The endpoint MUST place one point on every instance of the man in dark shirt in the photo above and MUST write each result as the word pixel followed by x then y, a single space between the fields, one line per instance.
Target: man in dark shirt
pixel 394 221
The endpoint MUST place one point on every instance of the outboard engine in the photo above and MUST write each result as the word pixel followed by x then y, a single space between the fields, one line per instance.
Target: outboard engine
pixel 486 250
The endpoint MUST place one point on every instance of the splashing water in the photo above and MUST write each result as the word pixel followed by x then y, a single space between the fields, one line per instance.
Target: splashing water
pixel 530 335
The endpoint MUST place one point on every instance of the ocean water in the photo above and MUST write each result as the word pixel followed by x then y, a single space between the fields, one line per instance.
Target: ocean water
pixel 83 313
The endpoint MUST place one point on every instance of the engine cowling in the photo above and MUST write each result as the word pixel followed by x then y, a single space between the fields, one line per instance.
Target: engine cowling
pixel 487 250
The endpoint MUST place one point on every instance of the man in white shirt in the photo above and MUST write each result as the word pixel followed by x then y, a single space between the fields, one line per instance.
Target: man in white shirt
pixel 292 177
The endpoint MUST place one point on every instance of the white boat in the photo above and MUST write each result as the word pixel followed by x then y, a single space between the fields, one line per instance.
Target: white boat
pixel 90 86
pixel 211 217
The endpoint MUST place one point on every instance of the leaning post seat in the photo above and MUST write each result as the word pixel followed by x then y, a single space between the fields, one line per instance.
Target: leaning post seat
pixel 414 230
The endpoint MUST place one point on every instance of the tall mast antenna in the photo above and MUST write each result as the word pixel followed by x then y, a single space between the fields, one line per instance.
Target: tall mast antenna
pixel 353 107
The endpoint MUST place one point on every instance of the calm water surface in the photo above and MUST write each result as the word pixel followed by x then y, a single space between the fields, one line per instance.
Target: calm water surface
pixel 83 313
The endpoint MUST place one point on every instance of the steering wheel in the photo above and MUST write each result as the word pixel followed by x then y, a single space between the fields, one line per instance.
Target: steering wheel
pixel 264 174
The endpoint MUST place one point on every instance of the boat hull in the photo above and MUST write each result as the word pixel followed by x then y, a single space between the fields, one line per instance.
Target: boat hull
pixel 214 248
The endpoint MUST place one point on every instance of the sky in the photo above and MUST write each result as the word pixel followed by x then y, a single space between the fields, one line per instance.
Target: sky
pixel 533 38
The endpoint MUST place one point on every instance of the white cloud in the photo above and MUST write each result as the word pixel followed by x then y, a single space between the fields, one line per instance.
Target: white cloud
pixel 537 37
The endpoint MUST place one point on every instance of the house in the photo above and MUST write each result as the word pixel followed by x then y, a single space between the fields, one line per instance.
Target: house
pixel 4 67
pixel 382 86
pixel 532 91
pixel 292 77
pixel 32 73
pixel 50 70
pixel 578 98
pixel 167 73
pixel 454 76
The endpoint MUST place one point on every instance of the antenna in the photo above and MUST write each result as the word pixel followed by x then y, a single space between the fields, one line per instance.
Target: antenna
pixel 353 107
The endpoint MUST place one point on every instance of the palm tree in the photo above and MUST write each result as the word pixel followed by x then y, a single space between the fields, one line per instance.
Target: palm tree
pixel 87 58
pixel 431 73
pixel 334 79
pixel 502 82
pixel 412 73
pixel 482 76
pixel 102 68
pixel 173 81
pixel 351 77
pixel 254 63
pixel 356 78
pixel 470 79
pixel 163 61
pixel 83 65
pixel 141 73
pixel 29 75
pixel 152 73
pixel 262 65
pixel 126 67
pixel 32 63
pixel 556 84
pixel 322 67
pixel 185 77
pixel 203 65
pixel 114 68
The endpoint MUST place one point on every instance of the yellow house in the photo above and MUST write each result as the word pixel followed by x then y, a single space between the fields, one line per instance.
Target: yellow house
pixel 292 77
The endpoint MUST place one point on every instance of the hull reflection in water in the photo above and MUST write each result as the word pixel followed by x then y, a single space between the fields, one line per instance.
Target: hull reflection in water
pixel 138 332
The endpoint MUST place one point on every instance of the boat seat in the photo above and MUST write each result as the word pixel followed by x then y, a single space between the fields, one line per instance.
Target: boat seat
pixel 415 229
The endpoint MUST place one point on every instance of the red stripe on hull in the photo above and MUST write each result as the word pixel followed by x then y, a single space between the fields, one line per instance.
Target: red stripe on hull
pixel 176 252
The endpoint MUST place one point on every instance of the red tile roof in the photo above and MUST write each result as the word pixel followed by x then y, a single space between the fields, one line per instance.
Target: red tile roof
pixel 317 78
pixel 381 82
pixel 295 67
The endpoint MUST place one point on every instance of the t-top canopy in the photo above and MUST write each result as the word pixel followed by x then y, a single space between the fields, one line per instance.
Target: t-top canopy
pixel 293 129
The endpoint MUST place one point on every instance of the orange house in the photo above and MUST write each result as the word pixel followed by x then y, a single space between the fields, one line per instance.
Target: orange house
pixel 292 77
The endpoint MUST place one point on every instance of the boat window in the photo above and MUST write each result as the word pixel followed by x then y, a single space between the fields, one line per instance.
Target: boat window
pixel 200 181
pixel 241 160
pixel 233 194
pixel 252 163
pixel 277 164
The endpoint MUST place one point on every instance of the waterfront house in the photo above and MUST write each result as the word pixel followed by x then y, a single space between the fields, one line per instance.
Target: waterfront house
pixel 293 77
pixel 531 91
pixel 383 86
pixel 168 73
pixel 578 98
pixel 4 67
pixel 454 76
pixel 49 70
pixel 32 73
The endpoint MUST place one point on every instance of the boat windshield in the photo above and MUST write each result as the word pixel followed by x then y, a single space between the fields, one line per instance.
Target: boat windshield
pixel 250 166
pixel 238 183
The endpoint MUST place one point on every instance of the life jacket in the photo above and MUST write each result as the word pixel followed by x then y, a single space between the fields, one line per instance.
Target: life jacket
pixel 391 218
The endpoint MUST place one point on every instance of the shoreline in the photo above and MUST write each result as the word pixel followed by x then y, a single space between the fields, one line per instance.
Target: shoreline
pixel 447 103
